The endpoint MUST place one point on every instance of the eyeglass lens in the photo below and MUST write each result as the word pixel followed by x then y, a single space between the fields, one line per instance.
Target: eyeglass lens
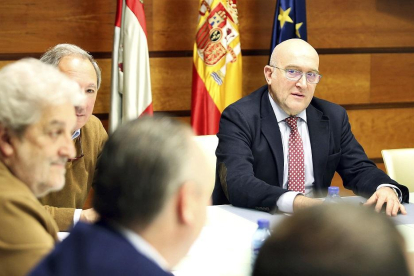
pixel 311 77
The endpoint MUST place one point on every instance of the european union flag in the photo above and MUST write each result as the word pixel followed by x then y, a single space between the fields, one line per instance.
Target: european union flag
pixel 290 21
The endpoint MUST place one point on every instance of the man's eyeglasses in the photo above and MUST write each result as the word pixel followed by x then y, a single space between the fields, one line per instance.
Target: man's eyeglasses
pixel 78 156
pixel 295 75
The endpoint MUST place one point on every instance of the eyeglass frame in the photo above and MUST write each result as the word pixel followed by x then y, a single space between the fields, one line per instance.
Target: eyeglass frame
pixel 302 73
pixel 81 155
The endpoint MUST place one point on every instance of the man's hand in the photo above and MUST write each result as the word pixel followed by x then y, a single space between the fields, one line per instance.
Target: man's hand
pixel 386 195
pixel 89 215
pixel 302 202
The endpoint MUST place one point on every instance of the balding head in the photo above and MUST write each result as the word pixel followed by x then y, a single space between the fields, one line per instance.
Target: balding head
pixel 294 46
pixel 292 96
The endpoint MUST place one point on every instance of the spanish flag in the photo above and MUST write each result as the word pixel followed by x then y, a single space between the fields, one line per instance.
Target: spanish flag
pixel 217 70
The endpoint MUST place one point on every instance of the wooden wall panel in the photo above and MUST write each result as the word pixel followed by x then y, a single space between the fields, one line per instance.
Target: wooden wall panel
pixel 349 80
pixel 331 24
pixel 170 80
pixel 174 25
pixel 392 78
pixel 4 63
pixel 28 26
pixel 253 76
pixel 345 78
pixel 378 129
pixel 171 83
pixel 360 24
pixel 337 181
pixel 103 100
pixel 33 26
pixel 367 78
pixel 256 22
pixel 186 120
pixel 176 31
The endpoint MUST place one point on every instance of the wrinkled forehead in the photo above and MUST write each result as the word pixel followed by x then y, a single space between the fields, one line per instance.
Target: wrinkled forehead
pixel 79 68
pixel 56 115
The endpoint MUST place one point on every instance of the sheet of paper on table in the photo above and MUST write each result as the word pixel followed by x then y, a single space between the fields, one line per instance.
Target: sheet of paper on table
pixel 227 254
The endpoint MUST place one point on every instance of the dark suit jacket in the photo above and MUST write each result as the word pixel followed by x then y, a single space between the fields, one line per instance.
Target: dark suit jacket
pixel 96 249
pixel 250 154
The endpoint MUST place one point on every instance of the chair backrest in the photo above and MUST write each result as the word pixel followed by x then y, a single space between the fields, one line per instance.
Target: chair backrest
pixel 208 143
pixel 400 165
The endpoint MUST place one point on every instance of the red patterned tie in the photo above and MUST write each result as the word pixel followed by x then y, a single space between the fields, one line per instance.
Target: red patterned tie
pixel 296 172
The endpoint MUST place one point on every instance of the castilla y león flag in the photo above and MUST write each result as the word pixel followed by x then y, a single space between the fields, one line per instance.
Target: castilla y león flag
pixel 131 83
pixel 217 70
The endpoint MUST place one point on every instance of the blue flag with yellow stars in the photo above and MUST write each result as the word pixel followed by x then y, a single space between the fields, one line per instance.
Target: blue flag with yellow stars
pixel 290 21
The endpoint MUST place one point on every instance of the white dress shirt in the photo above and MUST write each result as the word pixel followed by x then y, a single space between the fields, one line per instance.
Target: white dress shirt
pixel 143 247
pixel 77 214
pixel 285 201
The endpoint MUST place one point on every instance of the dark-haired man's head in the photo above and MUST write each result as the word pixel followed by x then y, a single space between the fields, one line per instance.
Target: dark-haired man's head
pixel 155 180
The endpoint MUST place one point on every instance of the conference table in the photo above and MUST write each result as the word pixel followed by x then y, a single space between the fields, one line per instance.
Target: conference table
pixel 224 245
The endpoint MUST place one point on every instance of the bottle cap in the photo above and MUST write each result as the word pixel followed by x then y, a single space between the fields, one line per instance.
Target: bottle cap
pixel 333 190
pixel 263 223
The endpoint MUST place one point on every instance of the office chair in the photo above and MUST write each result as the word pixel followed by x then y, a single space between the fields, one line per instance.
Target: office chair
pixel 400 165
pixel 208 143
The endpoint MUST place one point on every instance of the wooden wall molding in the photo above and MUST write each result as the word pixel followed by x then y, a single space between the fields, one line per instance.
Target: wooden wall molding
pixel 247 52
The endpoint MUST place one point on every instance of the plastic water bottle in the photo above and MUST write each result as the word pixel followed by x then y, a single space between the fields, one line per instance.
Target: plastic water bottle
pixel 261 234
pixel 333 195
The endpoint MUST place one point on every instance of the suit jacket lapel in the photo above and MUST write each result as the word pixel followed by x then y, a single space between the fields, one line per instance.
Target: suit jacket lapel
pixel 270 130
pixel 318 126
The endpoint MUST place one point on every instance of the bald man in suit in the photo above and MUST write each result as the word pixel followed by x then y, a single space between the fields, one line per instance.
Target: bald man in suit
pixel 253 168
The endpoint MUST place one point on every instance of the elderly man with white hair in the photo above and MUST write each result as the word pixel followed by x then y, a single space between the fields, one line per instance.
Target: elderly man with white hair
pixel 37 118
pixel 89 137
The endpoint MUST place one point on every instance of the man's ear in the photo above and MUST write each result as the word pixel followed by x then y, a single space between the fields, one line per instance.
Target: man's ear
pixel 6 147
pixel 268 74
pixel 186 203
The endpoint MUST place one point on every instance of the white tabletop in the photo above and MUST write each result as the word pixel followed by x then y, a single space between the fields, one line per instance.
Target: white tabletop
pixel 407 230
pixel 224 245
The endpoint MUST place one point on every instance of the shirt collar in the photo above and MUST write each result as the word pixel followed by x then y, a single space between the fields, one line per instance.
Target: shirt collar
pixel 76 134
pixel 143 247
pixel 281 115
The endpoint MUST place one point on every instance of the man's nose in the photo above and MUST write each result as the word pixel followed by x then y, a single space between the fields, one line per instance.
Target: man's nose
pixel 79 109
pixel 302 81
